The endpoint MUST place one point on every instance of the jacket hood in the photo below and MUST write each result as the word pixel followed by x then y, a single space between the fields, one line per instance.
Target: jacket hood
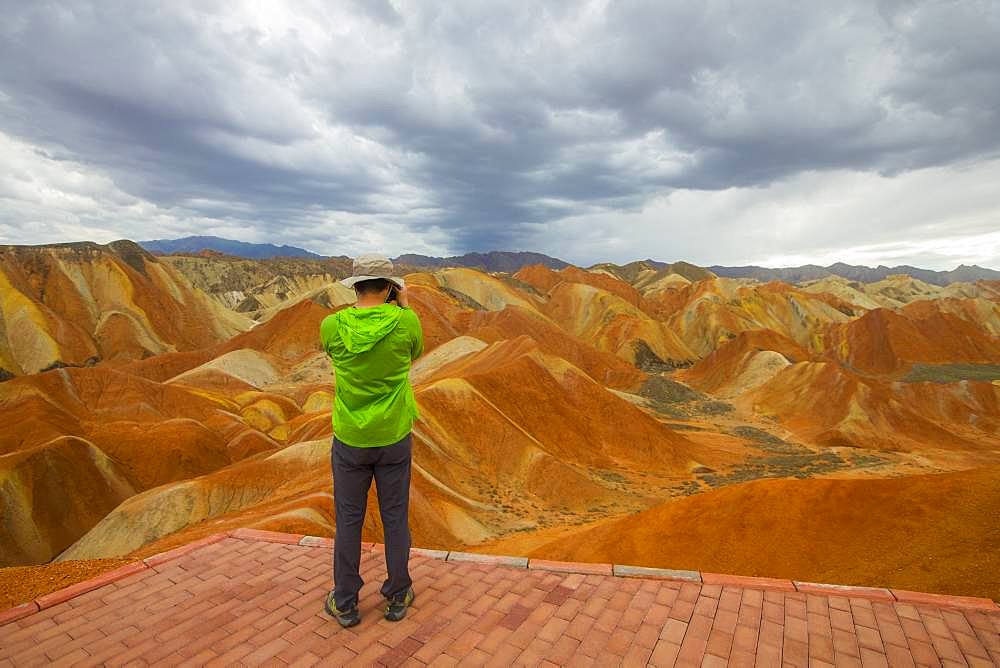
pixel 362 328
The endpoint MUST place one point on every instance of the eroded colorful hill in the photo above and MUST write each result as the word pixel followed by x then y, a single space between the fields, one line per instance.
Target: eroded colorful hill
pixel 882 532
pixel 82 303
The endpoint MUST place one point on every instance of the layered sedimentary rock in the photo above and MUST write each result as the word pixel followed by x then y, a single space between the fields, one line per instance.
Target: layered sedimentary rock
pixel 82 303
pixel 258 287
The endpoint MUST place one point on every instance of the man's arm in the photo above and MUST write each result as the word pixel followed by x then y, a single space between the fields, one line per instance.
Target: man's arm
pixel 417 344
pixel 327 329
pixel 417 333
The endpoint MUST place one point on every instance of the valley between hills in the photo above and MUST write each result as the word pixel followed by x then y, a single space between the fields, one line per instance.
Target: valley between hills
pixel 830 430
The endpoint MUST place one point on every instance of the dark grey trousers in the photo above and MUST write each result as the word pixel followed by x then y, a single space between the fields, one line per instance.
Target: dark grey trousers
pixel 353 469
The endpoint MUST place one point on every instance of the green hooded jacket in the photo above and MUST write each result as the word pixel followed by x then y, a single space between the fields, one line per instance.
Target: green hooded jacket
pixel 371 350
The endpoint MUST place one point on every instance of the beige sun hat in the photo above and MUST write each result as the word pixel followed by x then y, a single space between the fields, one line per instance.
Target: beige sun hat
pixel 372 265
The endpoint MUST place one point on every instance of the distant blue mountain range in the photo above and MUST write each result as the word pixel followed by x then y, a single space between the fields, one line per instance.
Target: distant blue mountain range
pixel 863 274
pixel 227 246
pixel 508 261
pixel 492 261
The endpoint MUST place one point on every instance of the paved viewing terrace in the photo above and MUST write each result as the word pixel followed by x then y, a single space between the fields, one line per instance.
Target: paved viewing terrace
pixel 251 597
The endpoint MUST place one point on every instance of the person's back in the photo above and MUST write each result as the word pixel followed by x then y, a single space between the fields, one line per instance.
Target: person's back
pixel 371 346
pixel 371 350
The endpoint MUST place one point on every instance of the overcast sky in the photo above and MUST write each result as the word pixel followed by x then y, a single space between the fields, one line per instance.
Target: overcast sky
pixel 730 132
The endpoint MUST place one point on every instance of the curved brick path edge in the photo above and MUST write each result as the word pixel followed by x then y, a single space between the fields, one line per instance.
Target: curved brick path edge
pixel 249 596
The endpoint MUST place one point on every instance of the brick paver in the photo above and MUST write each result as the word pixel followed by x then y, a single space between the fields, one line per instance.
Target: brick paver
pixel 256 598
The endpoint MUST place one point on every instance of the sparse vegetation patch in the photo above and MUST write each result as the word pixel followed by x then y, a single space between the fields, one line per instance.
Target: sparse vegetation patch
pixel 782 459
pixel 714 408
pixel 650 362
pixel 951 373
pixel 660 390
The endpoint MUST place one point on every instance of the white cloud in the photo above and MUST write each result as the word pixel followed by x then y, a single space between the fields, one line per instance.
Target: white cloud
pixel 936 218
pixel 44 199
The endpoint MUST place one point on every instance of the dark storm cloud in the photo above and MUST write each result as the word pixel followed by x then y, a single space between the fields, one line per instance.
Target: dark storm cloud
pixel 481 122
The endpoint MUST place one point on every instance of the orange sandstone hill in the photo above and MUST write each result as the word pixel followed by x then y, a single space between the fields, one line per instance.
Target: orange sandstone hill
pixel 82 303
pixel 886 342
pixel 882 532
pixel 149 401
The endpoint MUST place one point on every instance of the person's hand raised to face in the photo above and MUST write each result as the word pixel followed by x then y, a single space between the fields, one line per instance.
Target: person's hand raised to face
pixel 401 297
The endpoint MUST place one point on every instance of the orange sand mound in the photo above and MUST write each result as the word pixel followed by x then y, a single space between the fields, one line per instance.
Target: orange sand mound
pixel 152 455
pixel 570 415
pixel 167 365
pixel 438 311
pixel 728 361
pixel 53 494
pixel 20 584
pixel 513 321
pixel 885 342
pixel 611 324
pixel 80 401
pixel 545 279
pixel 935 533
pixel 828 405
pixel 709 313
pixel 291 334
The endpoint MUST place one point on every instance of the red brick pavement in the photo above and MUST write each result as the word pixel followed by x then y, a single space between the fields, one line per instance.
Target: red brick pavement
pixel 256 598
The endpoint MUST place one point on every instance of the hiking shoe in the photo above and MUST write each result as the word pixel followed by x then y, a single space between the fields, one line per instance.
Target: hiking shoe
pixel 345 618
pixel 395 607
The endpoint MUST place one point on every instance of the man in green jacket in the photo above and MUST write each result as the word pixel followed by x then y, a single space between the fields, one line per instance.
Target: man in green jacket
pixel 371 346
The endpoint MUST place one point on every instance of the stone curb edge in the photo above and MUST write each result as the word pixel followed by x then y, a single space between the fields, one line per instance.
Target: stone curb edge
pixel 615 570
pixel 621 570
